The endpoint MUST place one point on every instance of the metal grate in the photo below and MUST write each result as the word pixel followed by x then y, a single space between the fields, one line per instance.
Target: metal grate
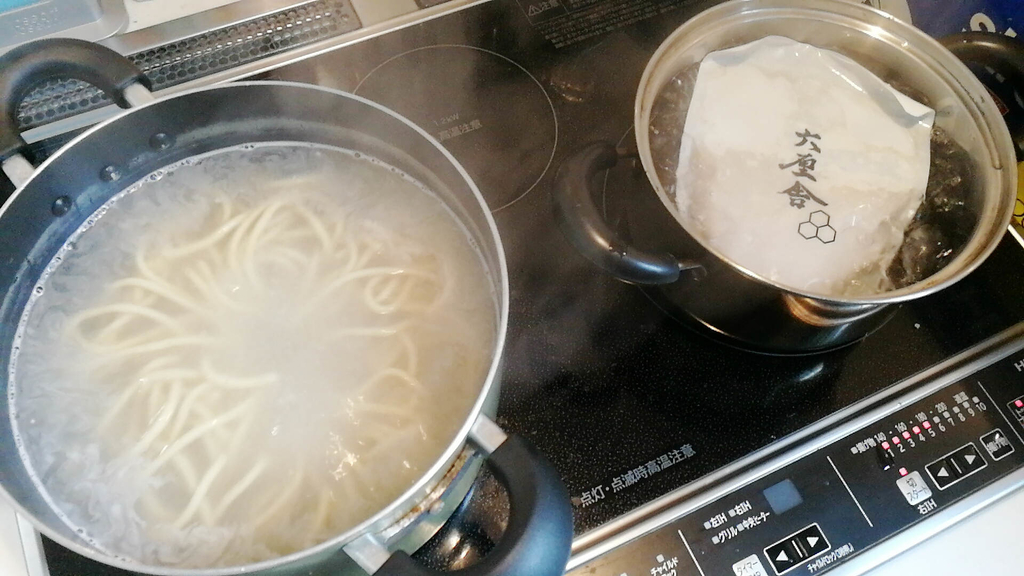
pixel 198 56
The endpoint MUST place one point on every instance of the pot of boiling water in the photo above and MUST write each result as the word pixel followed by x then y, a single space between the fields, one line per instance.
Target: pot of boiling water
pixel 254 328
pixel 970 195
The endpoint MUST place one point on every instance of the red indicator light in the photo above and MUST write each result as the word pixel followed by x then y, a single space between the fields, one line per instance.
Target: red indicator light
pixel 917 430
pixel 895 440
pixel 903 472
pixel 1018 403
pixel 927 425
pixel 885 445
pixel 906 435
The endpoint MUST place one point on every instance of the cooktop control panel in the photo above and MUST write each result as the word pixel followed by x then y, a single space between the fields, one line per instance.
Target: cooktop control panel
pixel 826 507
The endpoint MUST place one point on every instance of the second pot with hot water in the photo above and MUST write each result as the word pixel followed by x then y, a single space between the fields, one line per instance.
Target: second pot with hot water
pixel 662 252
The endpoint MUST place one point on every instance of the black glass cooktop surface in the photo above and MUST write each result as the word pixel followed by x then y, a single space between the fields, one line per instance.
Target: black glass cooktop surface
pixel 628 403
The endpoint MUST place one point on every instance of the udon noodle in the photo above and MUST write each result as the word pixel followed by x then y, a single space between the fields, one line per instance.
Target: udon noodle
pixel 269 367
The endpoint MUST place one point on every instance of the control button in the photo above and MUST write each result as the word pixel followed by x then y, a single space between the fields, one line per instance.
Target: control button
pixel 796 549
pixel 749 566
pixel 1016 407
pixel 968 460
pixel 997 444
pixel 943 473
pixel 956 466
pixel 782 556
pixel 810 541
pixel 914 488
pixel 885 461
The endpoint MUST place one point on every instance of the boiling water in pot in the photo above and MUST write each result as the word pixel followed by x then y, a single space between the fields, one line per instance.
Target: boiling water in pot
pixel 247 353
pixel 941 227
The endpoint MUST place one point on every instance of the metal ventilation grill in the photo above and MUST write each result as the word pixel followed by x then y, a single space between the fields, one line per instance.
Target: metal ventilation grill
pixel 198 56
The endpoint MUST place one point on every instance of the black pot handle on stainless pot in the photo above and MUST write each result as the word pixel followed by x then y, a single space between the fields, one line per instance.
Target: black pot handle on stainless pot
pixel 1001 53
pixel 26 66
pixel 585 228
pixel 538 537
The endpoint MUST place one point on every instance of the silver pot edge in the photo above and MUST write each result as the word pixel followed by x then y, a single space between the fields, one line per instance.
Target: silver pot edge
pixel 884 27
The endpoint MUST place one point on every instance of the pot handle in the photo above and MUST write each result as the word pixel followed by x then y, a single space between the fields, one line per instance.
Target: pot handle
pixel 999 52
pixel 584 227
pixel 538 537
pixel 24 67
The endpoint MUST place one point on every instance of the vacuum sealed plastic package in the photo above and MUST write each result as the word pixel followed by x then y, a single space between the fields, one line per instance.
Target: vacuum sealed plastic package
pixel 801 166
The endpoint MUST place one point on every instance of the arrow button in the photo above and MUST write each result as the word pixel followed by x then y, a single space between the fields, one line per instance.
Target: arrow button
pixel 814 541
pixel 969 459
pixel 796 549
pixel 942 473
pixel 782 555
pixel 958 465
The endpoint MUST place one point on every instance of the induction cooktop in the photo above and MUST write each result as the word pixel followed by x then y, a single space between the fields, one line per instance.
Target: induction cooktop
pixel 655 427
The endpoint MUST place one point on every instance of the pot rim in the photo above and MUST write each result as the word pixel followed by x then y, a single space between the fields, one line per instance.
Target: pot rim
pixel 398 508
pixel 884 27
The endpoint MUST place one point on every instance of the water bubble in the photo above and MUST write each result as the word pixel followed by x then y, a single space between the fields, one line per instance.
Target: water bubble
pixel 110 173
pixel 61 206
pixel 161 141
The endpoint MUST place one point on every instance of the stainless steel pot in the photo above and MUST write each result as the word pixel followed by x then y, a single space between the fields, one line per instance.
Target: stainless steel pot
pixel 54 199
pixel 695 281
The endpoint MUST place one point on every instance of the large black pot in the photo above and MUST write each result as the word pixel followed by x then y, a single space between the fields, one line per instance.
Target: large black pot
pixel 53 200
